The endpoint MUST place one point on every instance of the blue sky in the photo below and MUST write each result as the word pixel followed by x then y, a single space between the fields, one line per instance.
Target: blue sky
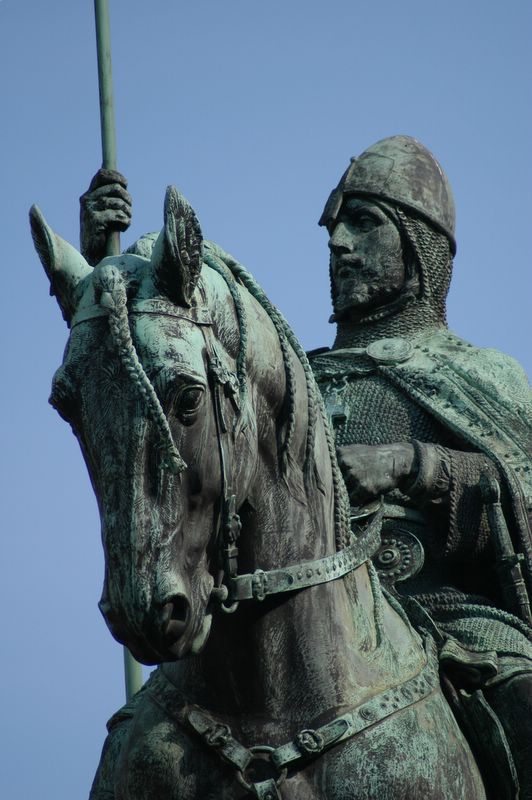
pixel 253 110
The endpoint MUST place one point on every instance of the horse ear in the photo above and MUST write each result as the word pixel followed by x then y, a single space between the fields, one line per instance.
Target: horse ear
pixel 64 266
pixel 178 252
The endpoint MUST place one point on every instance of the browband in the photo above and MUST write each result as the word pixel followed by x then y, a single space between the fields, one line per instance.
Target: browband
pixel 196 314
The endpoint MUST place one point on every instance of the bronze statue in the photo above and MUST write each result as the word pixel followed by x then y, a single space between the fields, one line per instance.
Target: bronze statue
pixel 216 496
pixel 432 423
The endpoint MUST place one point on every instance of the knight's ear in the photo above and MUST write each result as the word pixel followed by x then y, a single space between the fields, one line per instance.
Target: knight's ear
pixel 64 266
pixel 178 252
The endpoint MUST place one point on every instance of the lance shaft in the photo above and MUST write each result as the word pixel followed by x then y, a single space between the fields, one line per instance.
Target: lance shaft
pixel 132 669
pixel 107 116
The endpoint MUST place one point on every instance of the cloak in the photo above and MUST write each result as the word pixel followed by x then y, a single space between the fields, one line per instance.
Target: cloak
pixel 481 395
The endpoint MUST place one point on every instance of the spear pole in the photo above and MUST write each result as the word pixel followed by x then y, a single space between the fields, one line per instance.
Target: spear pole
pixel 132 669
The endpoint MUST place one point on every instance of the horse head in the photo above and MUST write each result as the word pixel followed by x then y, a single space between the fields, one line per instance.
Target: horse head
pixel 150 381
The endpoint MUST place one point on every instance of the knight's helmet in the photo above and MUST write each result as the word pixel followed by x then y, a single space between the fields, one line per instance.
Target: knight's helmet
pixel 402 171
pixel 401 174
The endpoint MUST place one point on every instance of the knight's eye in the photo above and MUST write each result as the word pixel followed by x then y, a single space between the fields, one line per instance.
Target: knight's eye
pixel 189 402
pixel 366 222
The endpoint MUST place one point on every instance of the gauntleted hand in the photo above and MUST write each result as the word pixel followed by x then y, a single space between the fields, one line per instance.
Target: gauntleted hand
pixel 372 470
pixel 105 206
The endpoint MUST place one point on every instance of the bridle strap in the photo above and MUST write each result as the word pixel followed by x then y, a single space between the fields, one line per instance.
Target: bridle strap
pixel 260 584
pixel 224 384
pixel 197 314
pixel 308 743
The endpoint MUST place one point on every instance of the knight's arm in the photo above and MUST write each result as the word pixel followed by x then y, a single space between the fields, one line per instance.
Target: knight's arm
pixel 450 480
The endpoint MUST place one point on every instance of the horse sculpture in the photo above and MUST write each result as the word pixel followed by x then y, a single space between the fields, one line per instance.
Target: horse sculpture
pixel 229 557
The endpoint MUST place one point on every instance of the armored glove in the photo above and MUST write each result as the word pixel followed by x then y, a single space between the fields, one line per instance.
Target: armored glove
pixel 371 470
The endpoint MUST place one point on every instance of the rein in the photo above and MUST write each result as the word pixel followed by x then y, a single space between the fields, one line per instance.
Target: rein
pixel 232 587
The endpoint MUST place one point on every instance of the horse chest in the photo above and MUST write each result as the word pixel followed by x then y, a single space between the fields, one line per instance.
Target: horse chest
pixel 407 756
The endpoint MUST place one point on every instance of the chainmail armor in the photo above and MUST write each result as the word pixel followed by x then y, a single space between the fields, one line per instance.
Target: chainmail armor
pixel 393 418
pixel 476 623
pixel 457 535
pixel 420 305
pixel 469 530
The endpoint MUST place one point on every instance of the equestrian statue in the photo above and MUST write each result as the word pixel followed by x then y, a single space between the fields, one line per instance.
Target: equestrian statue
pixel 327 555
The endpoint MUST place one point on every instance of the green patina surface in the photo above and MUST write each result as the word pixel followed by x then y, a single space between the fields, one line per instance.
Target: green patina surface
pixel 198 415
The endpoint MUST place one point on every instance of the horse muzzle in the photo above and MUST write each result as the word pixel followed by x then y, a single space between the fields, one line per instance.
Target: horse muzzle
pixel 166 634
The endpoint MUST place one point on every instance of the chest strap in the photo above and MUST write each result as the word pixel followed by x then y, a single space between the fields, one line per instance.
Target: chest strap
pixel 311 742
pixel 259 584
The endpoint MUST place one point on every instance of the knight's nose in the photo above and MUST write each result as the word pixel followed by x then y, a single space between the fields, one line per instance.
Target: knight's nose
pixel 174 618
pixel 340 241
pixel 338 247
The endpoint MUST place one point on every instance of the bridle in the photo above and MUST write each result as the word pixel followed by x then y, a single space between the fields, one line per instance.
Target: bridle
pixel 230 587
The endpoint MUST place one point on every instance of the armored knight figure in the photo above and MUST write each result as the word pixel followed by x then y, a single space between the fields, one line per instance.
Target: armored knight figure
pixel 437 429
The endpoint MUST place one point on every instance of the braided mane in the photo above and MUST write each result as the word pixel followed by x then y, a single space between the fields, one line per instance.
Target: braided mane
pixel 232 271
pixel 110 285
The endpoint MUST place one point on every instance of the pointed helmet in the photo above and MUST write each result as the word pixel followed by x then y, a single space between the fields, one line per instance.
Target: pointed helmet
pixel 402 171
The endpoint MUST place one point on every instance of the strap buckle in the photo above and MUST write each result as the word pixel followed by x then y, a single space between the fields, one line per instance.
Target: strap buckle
pixel 262 752
pixel 217 735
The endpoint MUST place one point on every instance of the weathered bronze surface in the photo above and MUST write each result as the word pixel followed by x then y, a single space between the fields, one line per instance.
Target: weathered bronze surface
pixel 428 420
pixel 210 453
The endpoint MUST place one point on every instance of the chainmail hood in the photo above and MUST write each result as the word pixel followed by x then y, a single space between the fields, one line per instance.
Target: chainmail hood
pixel 421 303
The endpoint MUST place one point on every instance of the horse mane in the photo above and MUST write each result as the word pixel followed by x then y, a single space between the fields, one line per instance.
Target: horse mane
pixel 232 272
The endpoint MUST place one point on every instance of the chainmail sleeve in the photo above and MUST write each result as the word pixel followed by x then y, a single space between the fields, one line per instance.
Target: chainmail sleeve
pixel 468 534
pixel 449 481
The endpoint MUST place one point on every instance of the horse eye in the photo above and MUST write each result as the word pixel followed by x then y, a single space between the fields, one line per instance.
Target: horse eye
pixel 190 400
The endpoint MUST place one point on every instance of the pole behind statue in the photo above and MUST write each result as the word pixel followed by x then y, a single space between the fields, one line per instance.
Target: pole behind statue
pixel 132 669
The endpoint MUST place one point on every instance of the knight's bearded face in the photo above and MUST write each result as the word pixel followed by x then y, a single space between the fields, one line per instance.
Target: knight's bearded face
pixel 367 263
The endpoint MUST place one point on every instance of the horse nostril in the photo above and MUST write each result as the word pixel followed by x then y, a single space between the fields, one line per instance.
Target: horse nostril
pixel 175 617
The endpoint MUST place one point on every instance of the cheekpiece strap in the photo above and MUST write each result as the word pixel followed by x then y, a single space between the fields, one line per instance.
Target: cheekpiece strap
pixel 260 584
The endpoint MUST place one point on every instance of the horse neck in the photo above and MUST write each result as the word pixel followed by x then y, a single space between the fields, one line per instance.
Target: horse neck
pixel 294 654
pixel 290 659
